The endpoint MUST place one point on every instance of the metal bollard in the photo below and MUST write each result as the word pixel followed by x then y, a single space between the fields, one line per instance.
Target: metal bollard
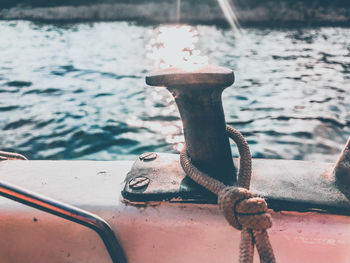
pixel 198 96
pixel 342 169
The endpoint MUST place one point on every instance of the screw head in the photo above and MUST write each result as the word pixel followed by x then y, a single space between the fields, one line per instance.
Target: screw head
pixel 148 156
pixel 139 182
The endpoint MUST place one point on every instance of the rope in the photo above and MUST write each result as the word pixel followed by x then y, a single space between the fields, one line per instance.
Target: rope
pixel 241 209
pixel 11 156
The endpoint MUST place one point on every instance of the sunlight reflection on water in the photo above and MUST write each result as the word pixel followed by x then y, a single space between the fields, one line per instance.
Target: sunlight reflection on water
pixel 175 46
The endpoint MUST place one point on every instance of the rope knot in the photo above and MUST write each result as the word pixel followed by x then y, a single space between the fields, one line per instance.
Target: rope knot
pixel 242 210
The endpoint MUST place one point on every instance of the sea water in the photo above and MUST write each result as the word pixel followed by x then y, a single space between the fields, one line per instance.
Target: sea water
pixel 77 91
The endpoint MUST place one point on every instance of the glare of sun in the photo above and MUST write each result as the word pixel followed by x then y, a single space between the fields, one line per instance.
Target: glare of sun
pixel 175 46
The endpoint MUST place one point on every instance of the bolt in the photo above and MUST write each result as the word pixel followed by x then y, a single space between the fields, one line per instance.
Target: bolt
pixel 148 156
pixel 139 182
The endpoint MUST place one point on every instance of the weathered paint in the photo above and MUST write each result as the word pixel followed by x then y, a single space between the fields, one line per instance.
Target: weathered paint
pixel 153 232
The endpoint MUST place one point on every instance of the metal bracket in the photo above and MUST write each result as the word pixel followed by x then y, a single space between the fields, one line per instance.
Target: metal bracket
pixel 285 184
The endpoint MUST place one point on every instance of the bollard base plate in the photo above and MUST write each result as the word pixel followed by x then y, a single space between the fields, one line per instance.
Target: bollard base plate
pixel 286 185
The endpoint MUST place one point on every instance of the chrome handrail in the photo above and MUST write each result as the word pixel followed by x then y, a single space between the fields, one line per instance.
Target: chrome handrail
pixel 70 213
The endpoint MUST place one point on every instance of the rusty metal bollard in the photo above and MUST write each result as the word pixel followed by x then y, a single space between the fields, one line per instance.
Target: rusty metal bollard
pixel 198 96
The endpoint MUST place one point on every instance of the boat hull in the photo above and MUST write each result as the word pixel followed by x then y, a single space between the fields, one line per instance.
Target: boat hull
pixel 149 232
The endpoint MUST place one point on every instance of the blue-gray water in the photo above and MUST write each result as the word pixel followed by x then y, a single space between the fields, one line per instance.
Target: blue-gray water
pixel 78 91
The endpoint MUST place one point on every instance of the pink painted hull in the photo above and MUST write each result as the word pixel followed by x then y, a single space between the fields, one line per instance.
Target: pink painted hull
pixel 153 232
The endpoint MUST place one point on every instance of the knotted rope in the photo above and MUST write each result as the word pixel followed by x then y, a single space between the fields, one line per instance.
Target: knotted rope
pixel 11 156
pixel 241 209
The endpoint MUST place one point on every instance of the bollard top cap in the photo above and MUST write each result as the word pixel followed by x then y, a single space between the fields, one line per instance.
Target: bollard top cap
pixel 206 76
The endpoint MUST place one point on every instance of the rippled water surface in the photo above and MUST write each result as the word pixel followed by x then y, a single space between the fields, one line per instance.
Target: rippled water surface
pixel 78 91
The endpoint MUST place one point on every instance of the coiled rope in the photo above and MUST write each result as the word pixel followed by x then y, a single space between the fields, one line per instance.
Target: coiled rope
pixel 241 209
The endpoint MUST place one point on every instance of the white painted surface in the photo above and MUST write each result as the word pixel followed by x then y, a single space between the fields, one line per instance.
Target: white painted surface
pixel 149 233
